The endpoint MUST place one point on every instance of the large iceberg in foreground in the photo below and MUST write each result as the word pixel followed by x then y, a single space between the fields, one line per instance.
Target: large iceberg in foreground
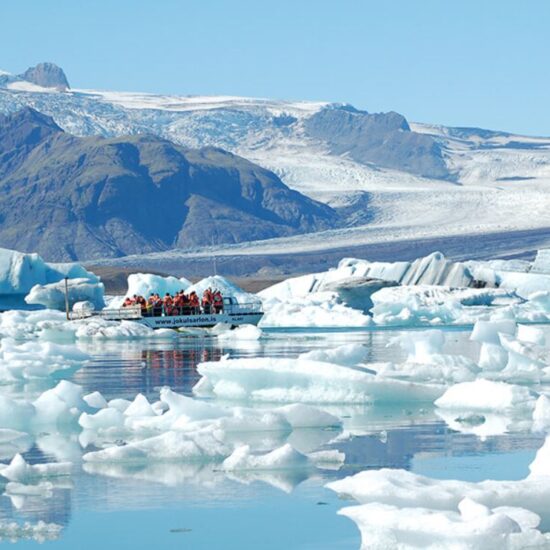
pixel 307 381
pixel 398 508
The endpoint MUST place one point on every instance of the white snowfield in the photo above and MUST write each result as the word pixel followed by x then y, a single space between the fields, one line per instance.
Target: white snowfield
pixel 400 509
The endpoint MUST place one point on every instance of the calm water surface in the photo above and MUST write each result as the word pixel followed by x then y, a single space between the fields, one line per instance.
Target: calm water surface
pixel 194 506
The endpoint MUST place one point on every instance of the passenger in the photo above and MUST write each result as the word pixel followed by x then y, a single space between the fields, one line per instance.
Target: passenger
pixel 185 304
pixel 178 302
pixel 157 305
pixel 168 304
pixel 140 301
pixel 194 302
pixel 217 301
pixel 207 301
pixel 127 302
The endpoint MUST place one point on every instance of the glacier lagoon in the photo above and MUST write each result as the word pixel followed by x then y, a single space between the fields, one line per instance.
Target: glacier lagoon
pixel 199 503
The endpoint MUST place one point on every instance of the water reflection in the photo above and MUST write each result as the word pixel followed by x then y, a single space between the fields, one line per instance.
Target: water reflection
pixel 372 437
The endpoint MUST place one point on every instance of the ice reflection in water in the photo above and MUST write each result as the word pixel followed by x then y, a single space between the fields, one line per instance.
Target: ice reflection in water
pixel 372 438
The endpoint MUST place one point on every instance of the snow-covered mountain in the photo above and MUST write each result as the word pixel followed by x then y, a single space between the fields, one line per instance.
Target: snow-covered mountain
pixel 393 180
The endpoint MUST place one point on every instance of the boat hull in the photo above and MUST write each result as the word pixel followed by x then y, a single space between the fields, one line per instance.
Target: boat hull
pixel 201 320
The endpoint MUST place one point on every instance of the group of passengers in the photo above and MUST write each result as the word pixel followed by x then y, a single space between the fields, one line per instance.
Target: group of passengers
pixel 178 304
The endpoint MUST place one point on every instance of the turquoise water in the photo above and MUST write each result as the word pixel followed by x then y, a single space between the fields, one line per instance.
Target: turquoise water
pixel 194 506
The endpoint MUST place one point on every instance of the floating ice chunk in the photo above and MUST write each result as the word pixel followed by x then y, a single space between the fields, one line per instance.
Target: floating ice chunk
pixel 486 395
pixel 346 355
pixel 243 332
pixel 119 404
pixel 305 416
pixel 19 470
pixel 435 305
pixel 540 467
pixel 484 424
pixel 140 406
pixel 283 458
pixel 14 414
pixel 405 489
pixel 532 335
pixel 60 405
pixel 436 369
pixel 541 414
pixel 108 418
pixel 19 361
pixel 473 527
pixel 95 400
pixel 492 357
pixel 52 296
pixel 420 346
pixel 488 331
pixel 320 309
pixel 201 446
pixel 306 381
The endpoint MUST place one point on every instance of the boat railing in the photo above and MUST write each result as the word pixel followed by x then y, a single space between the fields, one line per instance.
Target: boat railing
pixel 236 308
pixel 129 313
pixel 116 314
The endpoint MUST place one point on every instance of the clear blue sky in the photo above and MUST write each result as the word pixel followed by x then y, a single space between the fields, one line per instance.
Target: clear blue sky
pixel 457 62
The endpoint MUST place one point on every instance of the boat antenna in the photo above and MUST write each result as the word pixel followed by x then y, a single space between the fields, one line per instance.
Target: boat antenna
pixel 67 297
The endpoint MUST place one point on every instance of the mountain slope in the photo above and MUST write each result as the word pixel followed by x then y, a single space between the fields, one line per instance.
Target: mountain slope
pixel 389 179
pixel 80 198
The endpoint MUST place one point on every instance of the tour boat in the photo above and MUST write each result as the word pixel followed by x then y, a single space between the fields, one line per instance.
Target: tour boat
pixel 233 313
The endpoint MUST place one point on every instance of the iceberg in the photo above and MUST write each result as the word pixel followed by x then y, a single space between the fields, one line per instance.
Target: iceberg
pixel 404 489
pixel 306 381
pixel 226 287
pixel 52 295
pixel 20 272
pixel 471 527
pixel 34 359
pixel 487 395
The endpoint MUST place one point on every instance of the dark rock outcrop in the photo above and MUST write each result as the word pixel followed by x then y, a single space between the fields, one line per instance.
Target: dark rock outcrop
pixel 384 139
pixel 47 75
pixel 83 198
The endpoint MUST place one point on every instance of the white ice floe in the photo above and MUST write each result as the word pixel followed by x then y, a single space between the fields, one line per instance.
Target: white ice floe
pixel 541 414
pixel 318 309
pixel 471 527
pixel 487 395
pixel 346 355
pixel 404 489
pixel 52 325
pixel 244 332
pixel 35 359
pixel 191 430
pixel 306 381
pixel 52 295
pixel 55 408
pixel 435 305
pixel 19 470
pixel 283 458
